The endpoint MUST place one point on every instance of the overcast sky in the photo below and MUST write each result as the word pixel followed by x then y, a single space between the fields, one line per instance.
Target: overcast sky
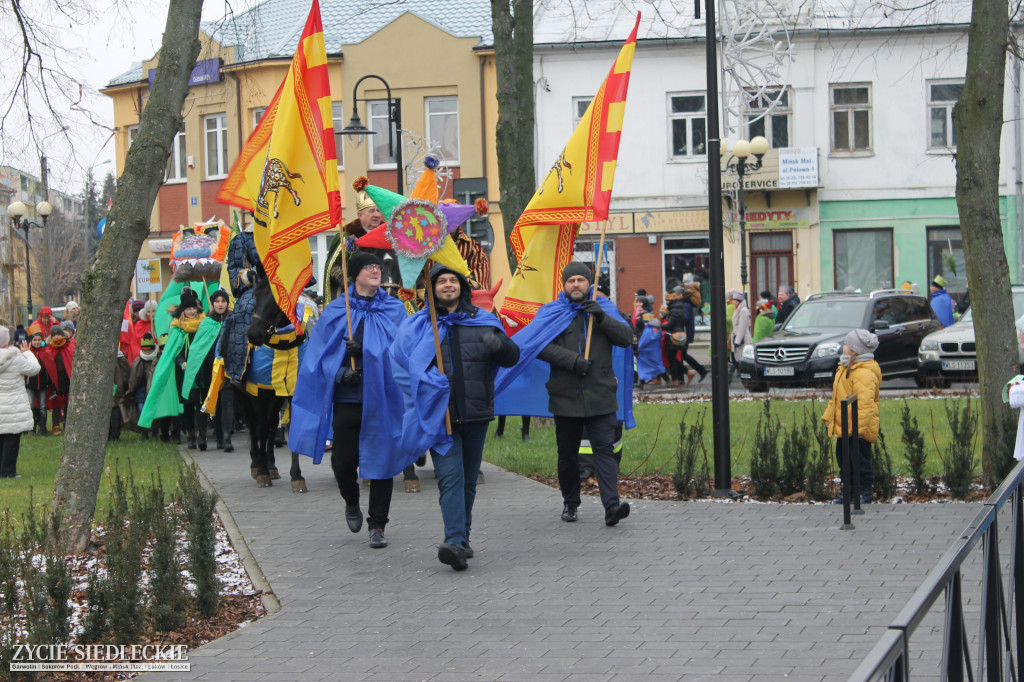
pixel 95 42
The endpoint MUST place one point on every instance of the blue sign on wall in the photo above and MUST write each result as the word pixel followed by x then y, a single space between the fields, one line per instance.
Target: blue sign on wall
pixel 206 71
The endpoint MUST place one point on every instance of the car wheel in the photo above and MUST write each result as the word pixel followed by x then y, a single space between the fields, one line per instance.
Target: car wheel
pixel 755 386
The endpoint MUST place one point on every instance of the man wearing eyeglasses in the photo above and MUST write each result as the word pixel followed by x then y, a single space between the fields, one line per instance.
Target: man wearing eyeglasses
pixel 344 378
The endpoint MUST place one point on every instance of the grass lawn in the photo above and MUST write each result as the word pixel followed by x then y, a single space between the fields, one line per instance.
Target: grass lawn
pixel 651 447
pixel 40 456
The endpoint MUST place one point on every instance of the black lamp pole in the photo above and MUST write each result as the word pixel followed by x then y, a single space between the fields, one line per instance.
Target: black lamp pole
pixel 355 126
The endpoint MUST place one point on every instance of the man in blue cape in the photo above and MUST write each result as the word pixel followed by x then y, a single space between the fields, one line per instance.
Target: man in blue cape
pixel 582 392
pixel 346 379
pixel 473 344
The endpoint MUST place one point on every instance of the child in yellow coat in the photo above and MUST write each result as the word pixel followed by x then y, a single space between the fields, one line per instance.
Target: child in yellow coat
pixel 857 373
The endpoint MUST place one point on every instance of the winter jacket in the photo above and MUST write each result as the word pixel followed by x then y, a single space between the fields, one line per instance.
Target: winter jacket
pixel 763 325
pixel 469 365
pixel 862 378
pixel 740 330
pixel 15 411
pixel 570 395
pixel 787 308
pixel 39 381
pixel 942 304
pixel 57 362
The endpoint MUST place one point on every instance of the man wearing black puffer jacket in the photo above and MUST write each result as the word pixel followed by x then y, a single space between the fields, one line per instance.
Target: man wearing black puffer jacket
pixel 582 392
pixel 470 351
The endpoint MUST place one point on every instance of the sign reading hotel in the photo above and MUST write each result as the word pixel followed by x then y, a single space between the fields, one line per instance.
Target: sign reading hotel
pixel 798 167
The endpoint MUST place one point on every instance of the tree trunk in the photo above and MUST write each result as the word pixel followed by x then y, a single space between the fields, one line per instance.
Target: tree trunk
pixel 106 285
pixel 978 120
pixel 512 24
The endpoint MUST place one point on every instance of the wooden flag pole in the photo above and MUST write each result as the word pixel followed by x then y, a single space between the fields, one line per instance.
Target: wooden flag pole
pixel 593 294
pixel 437 337
pixel 344 275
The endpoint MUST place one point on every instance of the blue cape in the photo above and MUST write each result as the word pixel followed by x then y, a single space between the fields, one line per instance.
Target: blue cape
pixel 313 405
pixel 648 359
pixel 425 388
pixel 521 390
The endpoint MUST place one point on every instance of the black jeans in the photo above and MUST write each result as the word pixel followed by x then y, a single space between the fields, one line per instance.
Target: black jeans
pixel 867 471
pixel 601 430
pixel 348 419
pixel 10 444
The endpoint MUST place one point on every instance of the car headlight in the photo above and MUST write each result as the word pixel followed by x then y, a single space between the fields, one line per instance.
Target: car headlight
pixel 748 352
pixel 827 349
pixel 929 344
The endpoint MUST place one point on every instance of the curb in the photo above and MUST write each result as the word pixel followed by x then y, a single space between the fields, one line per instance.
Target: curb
pixel 259 581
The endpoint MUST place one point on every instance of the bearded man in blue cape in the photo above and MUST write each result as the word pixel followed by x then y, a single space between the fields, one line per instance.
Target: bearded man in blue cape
pixel 582 391
pixel 347 384
pixel 473 344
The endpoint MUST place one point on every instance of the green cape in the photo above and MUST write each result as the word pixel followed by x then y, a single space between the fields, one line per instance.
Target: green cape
pixel 163 400
pixel 202 342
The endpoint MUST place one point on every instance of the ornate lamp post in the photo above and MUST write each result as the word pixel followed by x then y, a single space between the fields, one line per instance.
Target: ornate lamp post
pixel 741 151
pixel 356 132
pixel 17 211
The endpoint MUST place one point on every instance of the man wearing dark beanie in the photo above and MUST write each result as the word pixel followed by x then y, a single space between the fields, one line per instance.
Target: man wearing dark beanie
pixel 347 383
pixel 582 391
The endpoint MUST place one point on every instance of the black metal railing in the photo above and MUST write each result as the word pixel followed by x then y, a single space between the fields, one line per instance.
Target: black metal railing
pixel 1002 615
pixel 849 459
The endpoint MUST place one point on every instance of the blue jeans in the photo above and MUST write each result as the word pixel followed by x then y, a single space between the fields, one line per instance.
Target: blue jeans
pixel 457 472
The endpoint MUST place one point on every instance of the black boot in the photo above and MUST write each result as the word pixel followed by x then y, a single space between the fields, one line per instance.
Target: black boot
pixel 190 436
pixel 201 428
pixel 228 447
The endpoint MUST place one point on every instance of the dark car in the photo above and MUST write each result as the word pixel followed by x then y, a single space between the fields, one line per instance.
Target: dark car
pixel 806 349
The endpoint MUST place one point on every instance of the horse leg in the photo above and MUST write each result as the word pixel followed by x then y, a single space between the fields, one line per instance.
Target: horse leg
pixel 257 453
pixel 298 482
pixel 273 418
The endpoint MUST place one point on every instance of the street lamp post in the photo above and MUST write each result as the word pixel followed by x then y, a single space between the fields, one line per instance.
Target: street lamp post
pixel 17 211
pixel 742 150
pixel 356 132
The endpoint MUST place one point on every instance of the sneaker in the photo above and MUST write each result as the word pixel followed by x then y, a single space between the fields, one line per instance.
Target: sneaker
pixel 469 551
pixel 377 539
pixel 569 513
pixel 480 478
pixel 865 498
pixel 703 375
pixel 616 513
pixel 354 519
pixel 452 555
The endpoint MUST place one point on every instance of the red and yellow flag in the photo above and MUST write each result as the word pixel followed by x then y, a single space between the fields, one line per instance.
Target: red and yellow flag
pixel 577 189
pixel 287 173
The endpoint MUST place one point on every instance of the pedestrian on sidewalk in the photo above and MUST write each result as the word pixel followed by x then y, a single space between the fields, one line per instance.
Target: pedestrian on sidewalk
pixel 15 414
pixel 857 373
pixel 347 383
pixel 582 391
pixel 473 344
pixel 741 334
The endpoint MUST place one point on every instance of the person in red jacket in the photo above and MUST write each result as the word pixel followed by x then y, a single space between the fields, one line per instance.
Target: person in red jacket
pixel 56 362
pixel 44 323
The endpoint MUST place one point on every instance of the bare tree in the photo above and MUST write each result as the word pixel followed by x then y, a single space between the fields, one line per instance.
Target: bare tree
pixel 512 25
pixel 106 285
pixel 62 258
pixel 978 118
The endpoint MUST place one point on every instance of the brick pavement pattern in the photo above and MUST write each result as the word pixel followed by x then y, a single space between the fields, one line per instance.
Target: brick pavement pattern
pixel 678 591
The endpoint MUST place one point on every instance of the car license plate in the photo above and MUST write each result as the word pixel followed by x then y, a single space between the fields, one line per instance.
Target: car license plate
pixel 778 371
pixel 958 365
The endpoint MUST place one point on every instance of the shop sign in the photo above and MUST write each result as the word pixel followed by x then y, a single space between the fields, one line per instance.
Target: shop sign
pixel 671 221
pixel 617 223
pixel 766 178
pixel 798 167
pixel 774 219
pixel 160 245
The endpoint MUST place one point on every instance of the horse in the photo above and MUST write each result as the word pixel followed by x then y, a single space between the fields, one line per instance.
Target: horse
pixel 257 338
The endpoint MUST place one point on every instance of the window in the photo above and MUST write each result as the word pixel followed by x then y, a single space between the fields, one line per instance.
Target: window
pixel 579 107
pixel 941 98
pixel 318 254
pixel 688 120
pixel 946 258
pixel 380 156
pixel 689 255
pixel 216 128
pixel 338 121
pixel 773 126
pixel 443 127
pixel 177 164
pixel 133 132
pixel 863 259
pixel 851 118
pixel 257 114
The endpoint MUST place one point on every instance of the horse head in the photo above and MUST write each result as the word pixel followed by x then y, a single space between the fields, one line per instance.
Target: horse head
pixel 267 317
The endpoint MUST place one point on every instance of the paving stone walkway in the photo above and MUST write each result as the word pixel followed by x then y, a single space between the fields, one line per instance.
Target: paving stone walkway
pixel 678 591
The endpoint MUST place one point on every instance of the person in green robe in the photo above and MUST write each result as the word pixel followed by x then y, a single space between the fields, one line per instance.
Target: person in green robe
pixel 199 370
pixel 765 322
pixel 164 400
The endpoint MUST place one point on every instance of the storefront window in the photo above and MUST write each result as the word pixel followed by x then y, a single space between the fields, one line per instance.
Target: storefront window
pixel 863 259
pixel 689 256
